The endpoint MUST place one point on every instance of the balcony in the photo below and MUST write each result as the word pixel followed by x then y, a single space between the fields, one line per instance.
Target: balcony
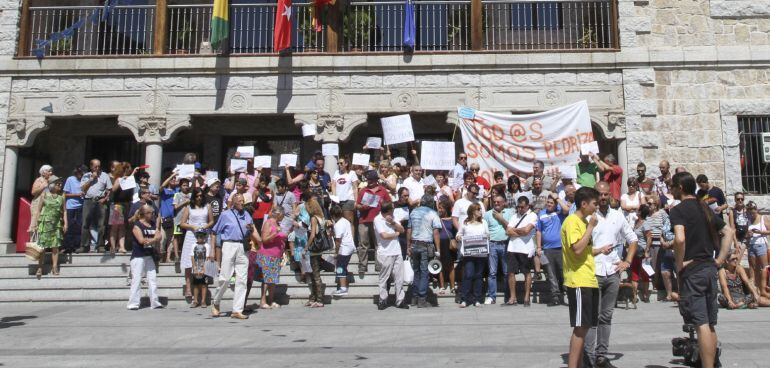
pixel 159 27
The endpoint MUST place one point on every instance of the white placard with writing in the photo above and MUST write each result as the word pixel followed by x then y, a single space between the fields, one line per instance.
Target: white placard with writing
pixel 400 214
pixel 330 149
pixel 308 130
pixel 371 200
pixel 127 183
pixel 361 159
pixel 288 159
pixel 437 155
pixel 430 181
pixel 237 165
pixel 568 171
pixel 212 175
pixel 245 151
pixel 263 162
pixel 475 245
pixel 648 269
pixel 397 129
pixel 374 142
pixel 185 171
pixel 589 148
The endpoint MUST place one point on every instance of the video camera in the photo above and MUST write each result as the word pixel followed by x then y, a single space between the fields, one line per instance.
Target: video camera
pixel 687 348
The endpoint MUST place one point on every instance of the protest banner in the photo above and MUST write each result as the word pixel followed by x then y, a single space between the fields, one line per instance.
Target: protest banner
pixel 361 159
pixel 288 159
pixel 397 129
pixel 330 149
pixel 511 143
pixel 437 155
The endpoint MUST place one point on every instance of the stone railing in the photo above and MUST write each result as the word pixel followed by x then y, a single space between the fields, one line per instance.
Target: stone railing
pixel 356 26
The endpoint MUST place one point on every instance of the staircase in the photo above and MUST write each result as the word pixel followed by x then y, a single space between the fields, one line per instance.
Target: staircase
pixel 100 278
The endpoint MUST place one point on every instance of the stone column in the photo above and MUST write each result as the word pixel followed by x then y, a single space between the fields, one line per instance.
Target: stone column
pixel 330 164
pixel 153 156
pixel 331 128
pixel 623 162
pixel 7 200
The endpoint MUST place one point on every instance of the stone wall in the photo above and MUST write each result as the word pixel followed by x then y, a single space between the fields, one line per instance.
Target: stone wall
pixel 686 23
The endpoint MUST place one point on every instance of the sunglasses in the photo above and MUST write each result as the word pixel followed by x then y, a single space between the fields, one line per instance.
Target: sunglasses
pixel 475 170
pixel 739 199
pixel 462 158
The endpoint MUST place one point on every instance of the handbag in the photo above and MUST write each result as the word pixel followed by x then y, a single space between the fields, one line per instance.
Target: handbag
pixel 321 242
pixel 408 271
pixel 246 239
pixel 32 250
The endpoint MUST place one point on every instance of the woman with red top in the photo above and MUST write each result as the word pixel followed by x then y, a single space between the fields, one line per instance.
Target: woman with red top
pixel 263 201
pixel 269 257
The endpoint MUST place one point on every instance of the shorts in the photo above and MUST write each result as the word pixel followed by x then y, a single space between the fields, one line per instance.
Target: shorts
pixel 637 273
pixel 667 261
pixel 757 249
pixel 348 205
pixel 341 268
pixel 205 280
pixel 698 291
pixel 518 263
pixel 583 306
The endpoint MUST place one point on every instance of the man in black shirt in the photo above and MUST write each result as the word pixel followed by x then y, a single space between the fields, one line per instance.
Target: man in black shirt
pixel 696 238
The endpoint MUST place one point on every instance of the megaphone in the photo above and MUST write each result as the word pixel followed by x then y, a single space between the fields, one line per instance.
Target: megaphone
pixel 434 267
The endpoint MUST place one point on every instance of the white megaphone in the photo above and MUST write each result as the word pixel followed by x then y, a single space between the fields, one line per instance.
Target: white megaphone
pixel 434 267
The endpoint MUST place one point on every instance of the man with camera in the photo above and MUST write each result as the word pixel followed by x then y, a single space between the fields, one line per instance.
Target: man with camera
pixel 696 239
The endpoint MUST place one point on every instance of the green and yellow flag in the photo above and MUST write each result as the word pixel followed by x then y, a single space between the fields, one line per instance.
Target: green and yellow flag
pixel 220 23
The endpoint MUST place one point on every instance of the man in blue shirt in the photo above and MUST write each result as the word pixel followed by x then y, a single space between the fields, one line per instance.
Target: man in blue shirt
pixel 74 206
pixel 548 240
pixel 422 237
pixel 497 221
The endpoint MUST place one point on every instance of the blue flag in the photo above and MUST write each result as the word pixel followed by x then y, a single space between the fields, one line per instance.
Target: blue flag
pixel 409 27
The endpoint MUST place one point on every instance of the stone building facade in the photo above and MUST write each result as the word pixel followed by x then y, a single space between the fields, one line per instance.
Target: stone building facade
pixel 683 75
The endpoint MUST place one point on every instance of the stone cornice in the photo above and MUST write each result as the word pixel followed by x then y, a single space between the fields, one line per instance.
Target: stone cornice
pixel 663 58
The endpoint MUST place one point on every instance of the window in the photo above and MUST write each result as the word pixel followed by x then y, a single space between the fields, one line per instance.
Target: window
pixel 755 153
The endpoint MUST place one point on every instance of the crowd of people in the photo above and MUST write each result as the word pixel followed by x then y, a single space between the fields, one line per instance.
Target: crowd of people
pixel 483 231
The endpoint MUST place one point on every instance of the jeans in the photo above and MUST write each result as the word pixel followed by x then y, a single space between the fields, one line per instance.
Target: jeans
pixel 598 338
pixel 473 272
pixel 94 214
pixel 74 229
pixel 420 260
pixel 496 257
pixel 555 272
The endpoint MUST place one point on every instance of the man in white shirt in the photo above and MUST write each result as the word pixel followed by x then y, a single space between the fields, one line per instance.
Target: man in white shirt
pixel 415 185
pixel 612 229
pixel 386 231
pixel 460 209
pixel 460 168
pixel 521 248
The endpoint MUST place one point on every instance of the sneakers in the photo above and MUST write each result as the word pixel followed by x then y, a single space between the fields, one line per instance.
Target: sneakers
pixel 603 362
pixel 477 304
pixel 340 292
pixel 382 305
pixel 422 303
pixel 489 301
pixel 463 305
pixel 402 305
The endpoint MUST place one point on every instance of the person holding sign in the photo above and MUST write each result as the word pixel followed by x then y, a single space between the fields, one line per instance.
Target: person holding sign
pixel 460 209
pixel 612 173
pixel 415 185
pixel 521 248
pixel 368 204
pixel 474 238
pixel 120 201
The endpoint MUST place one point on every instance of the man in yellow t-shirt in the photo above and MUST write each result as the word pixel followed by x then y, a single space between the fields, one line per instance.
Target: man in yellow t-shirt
pixel 579 277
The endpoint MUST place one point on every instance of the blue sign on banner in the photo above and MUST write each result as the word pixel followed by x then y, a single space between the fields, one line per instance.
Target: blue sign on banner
pixel 466 112
pixel 95 17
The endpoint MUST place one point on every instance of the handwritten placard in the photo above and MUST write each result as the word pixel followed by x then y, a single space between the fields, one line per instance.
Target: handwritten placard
pixel 374 142
pixel 371 200
pixel 589 148
pixel 127 183
pixel 430 181
pixel 361 159
pixel 437 155
pixel 397 129
pixel 212 175
pixel 237 165
pixel 330 149
pixel 308 130
pixel 263 162
pixel 245 151
pixel 185 171
pixel 568 171
pixel 289 159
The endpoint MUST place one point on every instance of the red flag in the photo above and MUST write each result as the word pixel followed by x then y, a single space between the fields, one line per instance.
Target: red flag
pixel 282 33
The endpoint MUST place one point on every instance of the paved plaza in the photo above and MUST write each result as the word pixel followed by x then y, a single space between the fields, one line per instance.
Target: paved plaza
pixel 107 335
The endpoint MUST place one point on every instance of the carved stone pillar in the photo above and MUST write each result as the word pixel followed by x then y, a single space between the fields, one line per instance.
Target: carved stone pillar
pixel 331 128
pixel 153 131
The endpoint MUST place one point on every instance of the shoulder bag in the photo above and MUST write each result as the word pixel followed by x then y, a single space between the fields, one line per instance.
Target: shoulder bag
pixel 321 241
pixel 246 236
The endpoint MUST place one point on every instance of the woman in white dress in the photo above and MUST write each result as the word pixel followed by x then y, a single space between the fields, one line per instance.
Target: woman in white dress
pixel 631 201
pixel 196 216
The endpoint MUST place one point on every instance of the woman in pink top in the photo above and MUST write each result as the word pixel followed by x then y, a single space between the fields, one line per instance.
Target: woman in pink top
pixel 269 257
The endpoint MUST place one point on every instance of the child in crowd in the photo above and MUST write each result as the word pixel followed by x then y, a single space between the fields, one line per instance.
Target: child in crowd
pixel 345 247
pixel 200 280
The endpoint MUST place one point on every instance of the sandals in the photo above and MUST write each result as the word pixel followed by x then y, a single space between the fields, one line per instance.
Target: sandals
pixel 194 305
pixel 317 305
pixel 309 303
pixel 39 273
pixel 509 304
pixel 264 306
pixel 442 291
pixel 55 271
pixel 275 305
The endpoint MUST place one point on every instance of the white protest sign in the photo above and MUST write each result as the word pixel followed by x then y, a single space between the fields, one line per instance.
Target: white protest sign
pixel 374 142
pixel 288 159
pixel 245 151
pixel 330 149
pixel 511 143
pixel 185 171
pixel 568 171
pixel 127 183
pixel 430 181
pixel 369 199
pixel 589 148
pixel 263 162
pixel 212 175
pixel 237 165
pixel 361 159
pixel 648 269
pixel 308 130
pixel 397 129
pixel 437 155
pixel 334 198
